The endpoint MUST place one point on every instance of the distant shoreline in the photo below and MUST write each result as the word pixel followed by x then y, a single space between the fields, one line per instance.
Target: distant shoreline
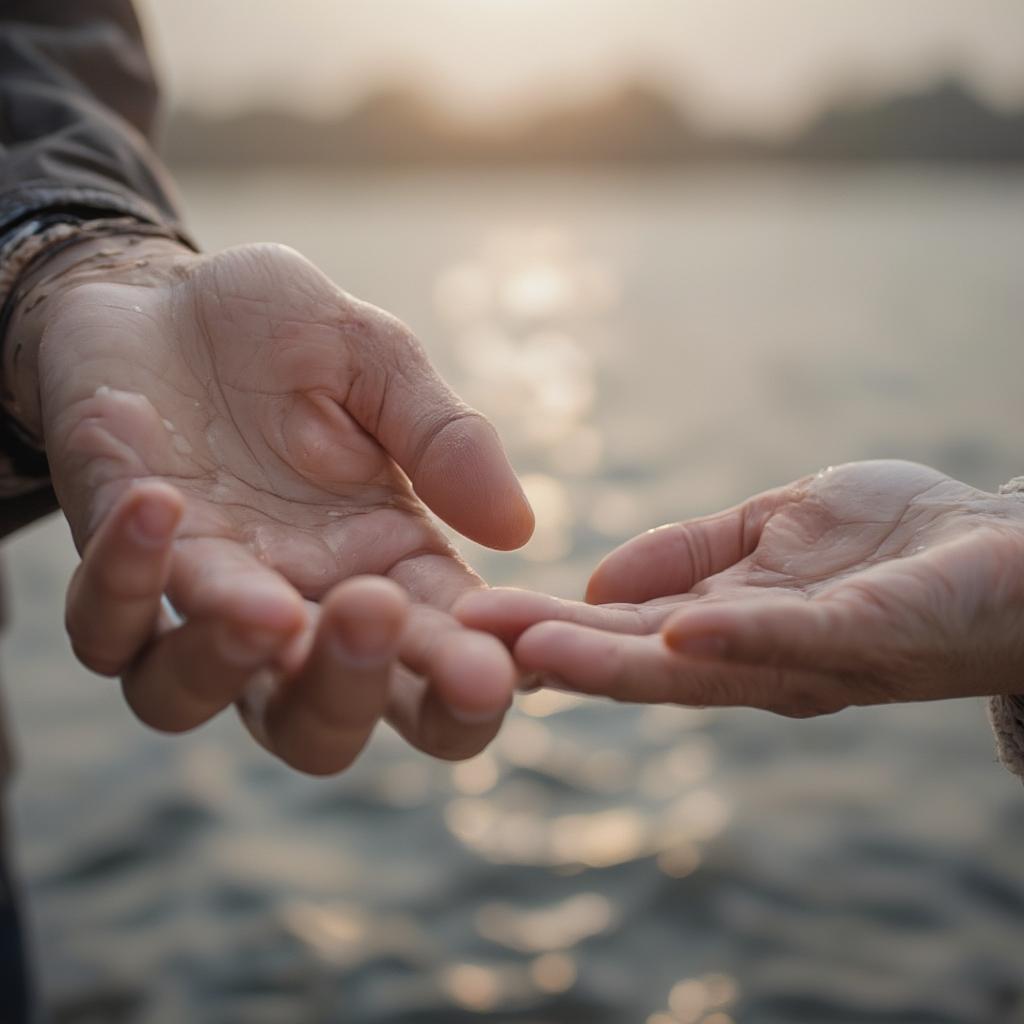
pixel 637 125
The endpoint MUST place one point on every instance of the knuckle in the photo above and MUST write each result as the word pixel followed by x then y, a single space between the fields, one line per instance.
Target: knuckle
pixel 382 335
pixel 397 337
pixel 447 423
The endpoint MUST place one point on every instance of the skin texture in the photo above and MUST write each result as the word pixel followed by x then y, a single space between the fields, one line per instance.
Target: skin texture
pixel 868 583
pixel 236 431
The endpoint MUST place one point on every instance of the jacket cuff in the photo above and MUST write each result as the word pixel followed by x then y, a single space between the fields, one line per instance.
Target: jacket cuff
pixel 35 198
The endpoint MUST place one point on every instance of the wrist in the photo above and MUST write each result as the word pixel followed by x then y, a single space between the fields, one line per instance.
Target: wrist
pixel 141 259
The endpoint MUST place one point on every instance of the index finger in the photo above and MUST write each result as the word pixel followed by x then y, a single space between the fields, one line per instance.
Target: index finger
pixel 113 599
pixel 641 669
pixel 507 612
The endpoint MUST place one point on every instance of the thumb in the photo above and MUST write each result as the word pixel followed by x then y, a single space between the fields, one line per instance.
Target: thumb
pixel 672 559
pixel 451 453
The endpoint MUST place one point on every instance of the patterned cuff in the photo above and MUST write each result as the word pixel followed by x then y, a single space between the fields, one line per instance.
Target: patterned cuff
pixel 42 198
pixel 1006 713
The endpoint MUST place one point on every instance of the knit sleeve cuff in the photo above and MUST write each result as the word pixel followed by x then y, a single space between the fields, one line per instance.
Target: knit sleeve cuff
pixel 1007 717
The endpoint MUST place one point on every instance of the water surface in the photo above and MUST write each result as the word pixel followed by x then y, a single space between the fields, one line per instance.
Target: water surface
pixel 653 346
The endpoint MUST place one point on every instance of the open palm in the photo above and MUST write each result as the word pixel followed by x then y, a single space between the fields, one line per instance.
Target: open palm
pixel 870 582
pixel 301 428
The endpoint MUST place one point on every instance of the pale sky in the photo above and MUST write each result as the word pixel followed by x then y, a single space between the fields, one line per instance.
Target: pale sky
pixel 743 63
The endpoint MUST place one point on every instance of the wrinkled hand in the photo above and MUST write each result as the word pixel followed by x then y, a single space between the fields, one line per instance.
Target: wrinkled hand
pixel 236 431
pixel 868 583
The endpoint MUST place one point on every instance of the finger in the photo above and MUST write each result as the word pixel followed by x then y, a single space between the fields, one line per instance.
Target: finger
pixel 783 629
pixel 506 612
pixel 434 641
pixel 113 600
pixel 672 559
pixel 191 673
pixel 215 578
pixel 319 721
pixel 470 672
pixel 457 686
pixel 434 578
pixel 452 454
pixel 642 670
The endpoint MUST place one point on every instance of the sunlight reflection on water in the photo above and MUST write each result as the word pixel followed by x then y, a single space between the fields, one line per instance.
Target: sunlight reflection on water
pixel 525 315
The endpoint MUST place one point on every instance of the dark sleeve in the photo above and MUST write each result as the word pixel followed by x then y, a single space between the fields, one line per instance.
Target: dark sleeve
pixel 78 104
pixel 77 109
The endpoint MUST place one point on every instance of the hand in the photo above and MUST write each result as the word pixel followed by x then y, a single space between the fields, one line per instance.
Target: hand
pixel 868 583
pixel 236 431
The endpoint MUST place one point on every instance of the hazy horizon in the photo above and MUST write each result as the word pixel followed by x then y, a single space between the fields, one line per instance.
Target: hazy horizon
pixel 736 64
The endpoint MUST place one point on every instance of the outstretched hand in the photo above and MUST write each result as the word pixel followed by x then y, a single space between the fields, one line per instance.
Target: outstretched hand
pixel 238 433
pixel 867 583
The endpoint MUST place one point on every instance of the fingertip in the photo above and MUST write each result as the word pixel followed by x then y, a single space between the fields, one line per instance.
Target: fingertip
pixel 369 596
pixel 154 513
pixel 614 578
pixel 531 649
pixel 146 515
pixel 520 520
pixel 368 614
pixel 475 677
pixel 266 604
pixel 598 591
pixel 517 527
pixel 468 606
pixel 465 476
pixel 503 612
pixel 480 604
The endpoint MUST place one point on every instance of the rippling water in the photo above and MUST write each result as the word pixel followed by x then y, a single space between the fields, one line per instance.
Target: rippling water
pixel 652 347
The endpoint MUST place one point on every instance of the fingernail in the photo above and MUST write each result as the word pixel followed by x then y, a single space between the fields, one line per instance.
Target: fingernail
pixel 153 522
pixel 700 645
pixel 247 647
